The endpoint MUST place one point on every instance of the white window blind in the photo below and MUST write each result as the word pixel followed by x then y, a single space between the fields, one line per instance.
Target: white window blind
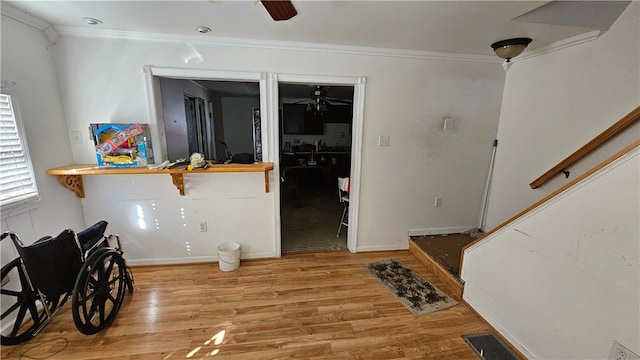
pixel 17 182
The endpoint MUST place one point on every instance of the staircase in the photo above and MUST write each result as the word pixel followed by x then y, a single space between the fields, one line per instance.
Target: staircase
pixel 446 261
pixel 441 254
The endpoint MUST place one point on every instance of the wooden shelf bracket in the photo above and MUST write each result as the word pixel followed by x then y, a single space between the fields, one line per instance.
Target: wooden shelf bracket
pixel 73 183
pixel 178 181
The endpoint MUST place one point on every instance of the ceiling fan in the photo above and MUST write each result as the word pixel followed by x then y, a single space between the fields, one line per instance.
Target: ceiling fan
pixel 319 102
pixel 279 9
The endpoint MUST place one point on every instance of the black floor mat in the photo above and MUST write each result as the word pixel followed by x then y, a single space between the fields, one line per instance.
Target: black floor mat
pixel 489 347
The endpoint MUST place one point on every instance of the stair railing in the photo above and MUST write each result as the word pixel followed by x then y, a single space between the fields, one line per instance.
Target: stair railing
pixel 606 135
pixel 553 194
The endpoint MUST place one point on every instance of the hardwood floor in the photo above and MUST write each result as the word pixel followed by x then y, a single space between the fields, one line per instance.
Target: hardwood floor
pixel 320 305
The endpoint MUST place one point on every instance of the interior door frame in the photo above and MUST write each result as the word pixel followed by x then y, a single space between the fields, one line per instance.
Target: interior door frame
pixel 269 103
pixel 358 84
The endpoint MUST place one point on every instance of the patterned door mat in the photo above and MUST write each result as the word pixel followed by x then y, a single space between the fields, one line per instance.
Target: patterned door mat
pixel 489 347
pixel 410 288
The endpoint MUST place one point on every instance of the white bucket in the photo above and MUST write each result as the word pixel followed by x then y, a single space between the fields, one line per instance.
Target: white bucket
pixel 229 256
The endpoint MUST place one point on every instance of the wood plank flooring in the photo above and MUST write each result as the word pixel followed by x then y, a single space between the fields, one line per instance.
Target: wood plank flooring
pixel 318 305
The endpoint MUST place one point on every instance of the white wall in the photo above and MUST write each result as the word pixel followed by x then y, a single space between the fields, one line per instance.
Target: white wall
pixel 237 116
pixel 563 281
pixel 406 99
pixel 555 103
pixel 28 61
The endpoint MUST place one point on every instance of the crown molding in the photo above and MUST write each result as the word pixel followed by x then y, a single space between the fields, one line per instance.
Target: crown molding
pixel 42 25
pixel 273 45
pixel 562 44
pixel 24 17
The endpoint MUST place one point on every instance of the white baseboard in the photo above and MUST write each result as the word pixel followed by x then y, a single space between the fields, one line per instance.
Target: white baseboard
pixel 501 329
pixel 438 231
pixel 171 261
pixel 195 259
pixel 383 248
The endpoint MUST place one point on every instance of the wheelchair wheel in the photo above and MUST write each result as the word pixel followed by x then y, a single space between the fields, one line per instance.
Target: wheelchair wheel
pixel 129 280
pixel 99 291
pixel 22 305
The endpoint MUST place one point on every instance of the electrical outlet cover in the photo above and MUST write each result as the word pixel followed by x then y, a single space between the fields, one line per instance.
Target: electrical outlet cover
pixel 620 352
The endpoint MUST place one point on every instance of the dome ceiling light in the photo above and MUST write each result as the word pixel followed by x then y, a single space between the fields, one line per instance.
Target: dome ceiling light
pixel 91 21
pixel 510 48
pixel 203 29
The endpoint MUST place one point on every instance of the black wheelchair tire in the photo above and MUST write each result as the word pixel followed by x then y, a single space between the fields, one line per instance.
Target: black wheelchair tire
pixel 99 291
pixel 23 301
pixel 129 280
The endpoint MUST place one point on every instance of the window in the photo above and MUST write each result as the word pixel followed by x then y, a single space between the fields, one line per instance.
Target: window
pixel 17 182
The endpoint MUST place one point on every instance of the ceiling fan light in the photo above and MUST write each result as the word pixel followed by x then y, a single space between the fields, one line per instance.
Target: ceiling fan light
pixel 510 48
pixel 318 92
pixel 324 106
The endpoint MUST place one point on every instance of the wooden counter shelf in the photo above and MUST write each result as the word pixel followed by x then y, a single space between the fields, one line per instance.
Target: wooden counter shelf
pixel 70 176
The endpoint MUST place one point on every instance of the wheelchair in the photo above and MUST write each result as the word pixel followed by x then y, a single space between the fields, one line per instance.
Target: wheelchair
pixel 78 266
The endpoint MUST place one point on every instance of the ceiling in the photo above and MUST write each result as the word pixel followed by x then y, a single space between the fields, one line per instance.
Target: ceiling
pixel 455 27
pixel 451 27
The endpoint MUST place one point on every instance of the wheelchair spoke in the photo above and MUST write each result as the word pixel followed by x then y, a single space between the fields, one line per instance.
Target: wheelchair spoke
pixel 115 279
pixel 109 268
pixel 113 300
pixel 92 311
pixel 11 293
pixel 11 309
pixel 33 309
pixel 102 311
pixel 19 320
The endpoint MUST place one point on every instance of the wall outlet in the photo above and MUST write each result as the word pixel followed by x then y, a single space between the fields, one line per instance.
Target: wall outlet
pixel 437 202
pixel 383 140
pixel 620 352
pixel 203 226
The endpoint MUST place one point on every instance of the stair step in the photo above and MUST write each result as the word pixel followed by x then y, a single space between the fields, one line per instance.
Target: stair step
pixel 454 284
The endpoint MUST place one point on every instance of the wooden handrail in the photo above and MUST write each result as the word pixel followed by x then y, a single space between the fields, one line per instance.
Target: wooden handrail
pixel 575 181
pixel 612 131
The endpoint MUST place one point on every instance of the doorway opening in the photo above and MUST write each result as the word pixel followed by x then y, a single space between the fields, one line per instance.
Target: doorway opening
pixel 211 117
pixel 198 127
pixel 314 151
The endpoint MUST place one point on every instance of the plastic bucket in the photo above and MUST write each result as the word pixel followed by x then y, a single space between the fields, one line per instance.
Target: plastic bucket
pixel 229 256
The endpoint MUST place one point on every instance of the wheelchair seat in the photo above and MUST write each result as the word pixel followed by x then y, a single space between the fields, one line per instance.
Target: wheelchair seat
pixel 52 263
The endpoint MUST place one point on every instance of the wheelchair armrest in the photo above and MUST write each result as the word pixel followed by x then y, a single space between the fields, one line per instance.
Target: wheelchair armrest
pixel 91 236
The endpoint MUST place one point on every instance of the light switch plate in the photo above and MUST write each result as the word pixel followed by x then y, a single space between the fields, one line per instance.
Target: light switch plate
pixel 383 140
pixel 449 123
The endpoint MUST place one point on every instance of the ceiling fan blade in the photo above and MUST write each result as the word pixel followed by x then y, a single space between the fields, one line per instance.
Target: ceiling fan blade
pixel 339 101
pixel 280 10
